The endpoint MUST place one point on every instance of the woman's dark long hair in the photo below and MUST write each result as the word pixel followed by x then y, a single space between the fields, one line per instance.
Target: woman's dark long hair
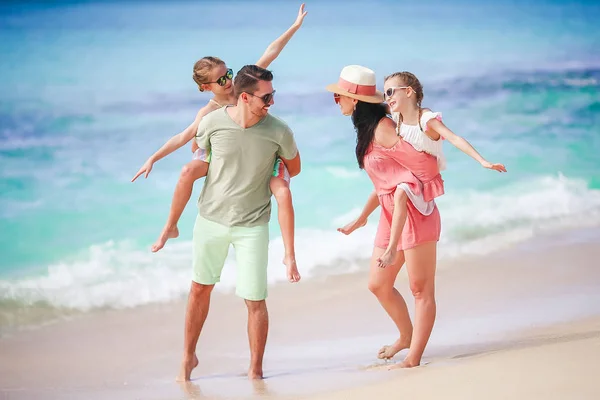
pixel 365 118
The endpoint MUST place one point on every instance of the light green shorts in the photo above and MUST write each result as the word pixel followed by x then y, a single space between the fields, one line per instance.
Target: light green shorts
pixel 251 245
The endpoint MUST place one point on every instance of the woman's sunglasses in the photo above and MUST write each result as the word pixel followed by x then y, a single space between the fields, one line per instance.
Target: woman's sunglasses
pixel 222 81
pixel 265 98
pixel 336 98
pixel 390 91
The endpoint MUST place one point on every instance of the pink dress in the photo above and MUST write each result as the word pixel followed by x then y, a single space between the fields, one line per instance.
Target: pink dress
pixel 388 167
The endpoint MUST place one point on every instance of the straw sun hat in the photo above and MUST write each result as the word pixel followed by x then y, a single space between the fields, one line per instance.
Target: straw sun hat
pixel 357 82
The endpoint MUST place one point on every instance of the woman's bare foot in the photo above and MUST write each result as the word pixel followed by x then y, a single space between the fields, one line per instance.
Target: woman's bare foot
pixel 291 268
pixel 187 365
pixel 166 234
pixel 387 258
pixel 389 351
pixel 255 374
pixel 404 364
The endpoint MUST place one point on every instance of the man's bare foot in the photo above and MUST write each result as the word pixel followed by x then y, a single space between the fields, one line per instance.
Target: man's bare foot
pixel 389 351
pixel 260 387
pixel 192 390
pixel 291 269
pixel 166 234
pixel 387 258
pixel 255 374
pixel 187 365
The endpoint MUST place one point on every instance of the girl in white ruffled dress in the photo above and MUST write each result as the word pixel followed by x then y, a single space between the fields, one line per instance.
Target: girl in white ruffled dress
pixel 424 130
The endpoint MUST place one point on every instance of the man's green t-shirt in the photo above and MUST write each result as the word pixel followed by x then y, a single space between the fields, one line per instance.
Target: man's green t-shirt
pixel 236 190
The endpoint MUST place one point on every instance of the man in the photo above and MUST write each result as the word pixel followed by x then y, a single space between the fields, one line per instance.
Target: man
pixel 235 207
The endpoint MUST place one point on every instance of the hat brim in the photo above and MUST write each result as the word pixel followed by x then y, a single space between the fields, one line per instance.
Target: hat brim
pixel 375 98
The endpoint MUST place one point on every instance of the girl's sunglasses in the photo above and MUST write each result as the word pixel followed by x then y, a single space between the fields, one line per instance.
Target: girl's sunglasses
pixel 265 98
pixel 222 81
pixel 390 92
pixel 336 98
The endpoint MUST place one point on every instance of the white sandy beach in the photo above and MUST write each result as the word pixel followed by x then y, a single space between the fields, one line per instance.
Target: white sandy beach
pixel 521 324
pixel 559 362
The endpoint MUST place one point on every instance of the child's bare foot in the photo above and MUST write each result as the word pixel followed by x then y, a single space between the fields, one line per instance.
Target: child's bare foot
pixel 387 258
pixel 387 352
pixel 166 234
pixel 291 268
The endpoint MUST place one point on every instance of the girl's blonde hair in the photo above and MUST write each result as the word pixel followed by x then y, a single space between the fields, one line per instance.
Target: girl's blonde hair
pixel 202 69
pixel 409 79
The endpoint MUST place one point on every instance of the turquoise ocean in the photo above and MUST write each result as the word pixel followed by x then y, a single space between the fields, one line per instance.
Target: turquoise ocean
pixel 89 90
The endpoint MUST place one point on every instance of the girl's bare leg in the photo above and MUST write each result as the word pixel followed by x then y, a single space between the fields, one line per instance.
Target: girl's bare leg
pixel 190 173
pixel 398 221
pixel 421 264
pixel 281 190
pixel 381 284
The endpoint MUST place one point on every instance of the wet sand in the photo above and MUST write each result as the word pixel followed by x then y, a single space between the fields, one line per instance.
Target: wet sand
pixel 525 320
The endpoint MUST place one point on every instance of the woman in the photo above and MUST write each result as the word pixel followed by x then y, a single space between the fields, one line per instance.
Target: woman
pixel 389 161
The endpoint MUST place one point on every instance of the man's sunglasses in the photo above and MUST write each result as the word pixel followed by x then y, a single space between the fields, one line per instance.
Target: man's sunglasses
pixel 222 81
pixel 390 92
pixel 265 98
